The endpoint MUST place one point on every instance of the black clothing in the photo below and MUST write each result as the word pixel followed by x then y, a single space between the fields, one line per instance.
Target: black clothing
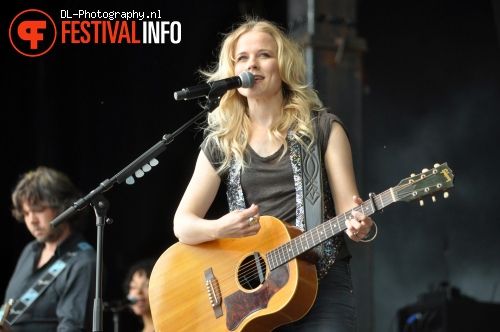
pixel 66 305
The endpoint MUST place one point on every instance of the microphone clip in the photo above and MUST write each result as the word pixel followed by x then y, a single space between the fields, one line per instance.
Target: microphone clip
pixel 118 306
pixel 217 90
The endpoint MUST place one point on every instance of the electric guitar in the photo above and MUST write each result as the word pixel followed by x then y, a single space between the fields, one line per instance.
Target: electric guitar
pixel 256 283
pixel 4 311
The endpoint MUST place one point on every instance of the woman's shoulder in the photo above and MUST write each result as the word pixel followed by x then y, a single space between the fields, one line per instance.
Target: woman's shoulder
pixel 325 122
pixel 325 116
pixel 213 152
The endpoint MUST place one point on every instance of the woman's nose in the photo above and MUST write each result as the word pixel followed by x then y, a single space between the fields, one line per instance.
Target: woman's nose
pixel 252 63
pixel 141 290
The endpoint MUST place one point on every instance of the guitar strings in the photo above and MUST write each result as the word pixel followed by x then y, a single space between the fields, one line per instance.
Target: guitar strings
pixel 249 271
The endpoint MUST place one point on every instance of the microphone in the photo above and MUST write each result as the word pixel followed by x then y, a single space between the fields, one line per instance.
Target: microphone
pixel 117 306
pixel 243 80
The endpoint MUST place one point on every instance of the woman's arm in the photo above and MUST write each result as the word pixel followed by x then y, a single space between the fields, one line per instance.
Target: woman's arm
pixel 189 223
pixel 340 170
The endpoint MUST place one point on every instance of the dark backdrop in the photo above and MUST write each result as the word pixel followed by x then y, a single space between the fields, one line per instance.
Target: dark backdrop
pixel 434 77
pixel 432 94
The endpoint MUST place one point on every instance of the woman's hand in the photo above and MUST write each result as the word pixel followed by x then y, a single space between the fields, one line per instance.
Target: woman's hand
pixel 359 225
pixel 239 223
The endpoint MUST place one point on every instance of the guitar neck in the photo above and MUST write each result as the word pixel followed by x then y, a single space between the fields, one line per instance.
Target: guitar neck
pixel 326 230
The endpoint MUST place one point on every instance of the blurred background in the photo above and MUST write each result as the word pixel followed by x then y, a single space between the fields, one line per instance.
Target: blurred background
pixel 417 83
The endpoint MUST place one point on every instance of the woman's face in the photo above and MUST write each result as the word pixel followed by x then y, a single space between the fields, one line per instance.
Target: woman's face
pixel 257 53
pixel 139 288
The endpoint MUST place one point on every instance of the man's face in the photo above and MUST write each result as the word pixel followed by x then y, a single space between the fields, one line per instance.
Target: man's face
pixel 37 218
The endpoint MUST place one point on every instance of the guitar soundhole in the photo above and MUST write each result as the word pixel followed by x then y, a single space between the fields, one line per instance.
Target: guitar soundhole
pixel 252 272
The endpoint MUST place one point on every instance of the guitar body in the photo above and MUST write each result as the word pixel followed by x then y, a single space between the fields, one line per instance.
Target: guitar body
pixel 187 280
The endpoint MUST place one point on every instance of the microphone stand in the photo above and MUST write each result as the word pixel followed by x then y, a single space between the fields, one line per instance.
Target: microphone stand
pixel 116 313
pixel 101 205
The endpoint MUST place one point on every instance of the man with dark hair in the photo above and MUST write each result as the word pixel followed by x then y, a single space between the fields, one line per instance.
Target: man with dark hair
pixel 53 284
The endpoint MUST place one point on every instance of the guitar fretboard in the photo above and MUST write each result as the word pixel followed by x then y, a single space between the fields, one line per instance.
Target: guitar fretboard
pixel 326 230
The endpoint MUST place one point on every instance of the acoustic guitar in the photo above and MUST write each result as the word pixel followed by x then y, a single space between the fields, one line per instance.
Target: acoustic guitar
pixel 256 283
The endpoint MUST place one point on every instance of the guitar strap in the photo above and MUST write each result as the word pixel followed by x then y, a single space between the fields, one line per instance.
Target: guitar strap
pixel 29 297
pixel 312 184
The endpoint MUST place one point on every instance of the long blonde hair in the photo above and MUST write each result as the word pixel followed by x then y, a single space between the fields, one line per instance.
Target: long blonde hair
pixel 229 125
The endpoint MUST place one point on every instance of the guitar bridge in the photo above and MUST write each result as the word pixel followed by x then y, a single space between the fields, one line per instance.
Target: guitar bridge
pixel 214 294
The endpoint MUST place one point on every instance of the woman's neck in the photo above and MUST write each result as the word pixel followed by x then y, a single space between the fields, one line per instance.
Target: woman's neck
pixel 147 321
pixel 265 112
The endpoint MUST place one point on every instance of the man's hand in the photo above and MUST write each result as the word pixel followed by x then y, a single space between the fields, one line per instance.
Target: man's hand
pixel 5 328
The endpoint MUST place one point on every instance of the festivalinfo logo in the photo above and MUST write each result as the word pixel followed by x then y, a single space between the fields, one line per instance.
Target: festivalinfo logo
pixel 33 32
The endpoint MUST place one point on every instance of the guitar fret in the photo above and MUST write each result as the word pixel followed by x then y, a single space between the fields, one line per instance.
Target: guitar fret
pixel 292 252
pixel 381 199
pixel 330 230
pixel 296 245
pixel 278 255
pixel 270 258
pixel 386 195
pixel 324 231
pixel 322 234
pixel 390 197
pixel 286 253
pixel 302 238
pixel 302 242
pixel 282 253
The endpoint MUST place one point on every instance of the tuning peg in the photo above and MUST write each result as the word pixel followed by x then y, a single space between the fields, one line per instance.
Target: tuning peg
pixel 446 194
pixel 436 165
pixel 421 203
pixel 153 162
pixel 146 168
pixel 139 173
pixel 434 199
pixel 412 174
pixel 425 170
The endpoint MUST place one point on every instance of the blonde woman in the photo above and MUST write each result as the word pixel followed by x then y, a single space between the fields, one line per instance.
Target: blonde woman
pixel 250 145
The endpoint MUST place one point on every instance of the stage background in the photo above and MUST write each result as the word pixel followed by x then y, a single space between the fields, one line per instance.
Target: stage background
pixel 432 95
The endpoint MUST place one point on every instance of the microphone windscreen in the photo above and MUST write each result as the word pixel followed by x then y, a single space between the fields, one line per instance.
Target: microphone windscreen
pixel 247 79
pixel 131 299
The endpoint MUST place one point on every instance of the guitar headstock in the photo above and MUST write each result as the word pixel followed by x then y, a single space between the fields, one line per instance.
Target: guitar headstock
pixel 438 179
